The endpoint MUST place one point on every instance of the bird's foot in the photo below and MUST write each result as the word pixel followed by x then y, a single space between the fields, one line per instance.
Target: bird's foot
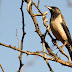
pixel 63 45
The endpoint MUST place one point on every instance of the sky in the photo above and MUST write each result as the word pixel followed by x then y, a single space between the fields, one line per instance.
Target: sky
pixel 10 20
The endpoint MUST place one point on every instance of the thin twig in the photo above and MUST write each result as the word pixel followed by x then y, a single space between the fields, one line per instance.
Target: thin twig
pixel 37 14
pixel 49 66
pixel 46 59
pixel 1 68
pixel 37 8
pixel 18 40
pixel 20 56
pixel 38 3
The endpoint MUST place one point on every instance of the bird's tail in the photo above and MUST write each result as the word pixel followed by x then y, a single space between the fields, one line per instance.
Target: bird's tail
pixel 69 47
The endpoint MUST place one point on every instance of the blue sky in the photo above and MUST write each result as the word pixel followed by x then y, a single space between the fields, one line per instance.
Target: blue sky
pixel 10 20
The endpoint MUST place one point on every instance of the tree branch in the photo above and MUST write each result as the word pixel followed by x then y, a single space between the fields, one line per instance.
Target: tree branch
pixel 38 54
pixel 20 55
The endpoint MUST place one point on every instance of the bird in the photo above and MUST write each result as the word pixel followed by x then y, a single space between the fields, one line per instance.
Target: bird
pixel 59 28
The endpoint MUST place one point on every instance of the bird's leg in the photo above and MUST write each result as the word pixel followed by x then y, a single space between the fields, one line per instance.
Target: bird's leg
pixel 61 48
pixel 62 52
pixel 63 45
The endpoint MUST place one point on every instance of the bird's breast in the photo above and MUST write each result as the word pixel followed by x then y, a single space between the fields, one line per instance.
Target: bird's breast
pixel 57 29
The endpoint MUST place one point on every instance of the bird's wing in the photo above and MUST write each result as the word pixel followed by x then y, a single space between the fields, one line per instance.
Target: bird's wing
pixel 65 27
pixel 63 20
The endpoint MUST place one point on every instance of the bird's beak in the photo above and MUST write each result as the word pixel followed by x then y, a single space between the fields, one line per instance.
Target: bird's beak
pixel 48 7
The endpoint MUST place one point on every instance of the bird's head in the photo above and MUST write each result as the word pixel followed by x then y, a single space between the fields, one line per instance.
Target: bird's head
pixel 53 9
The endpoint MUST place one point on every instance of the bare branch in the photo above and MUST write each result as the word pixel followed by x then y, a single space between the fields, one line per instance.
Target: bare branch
pixel 34 18
pixel 38 54
pixel 20 55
